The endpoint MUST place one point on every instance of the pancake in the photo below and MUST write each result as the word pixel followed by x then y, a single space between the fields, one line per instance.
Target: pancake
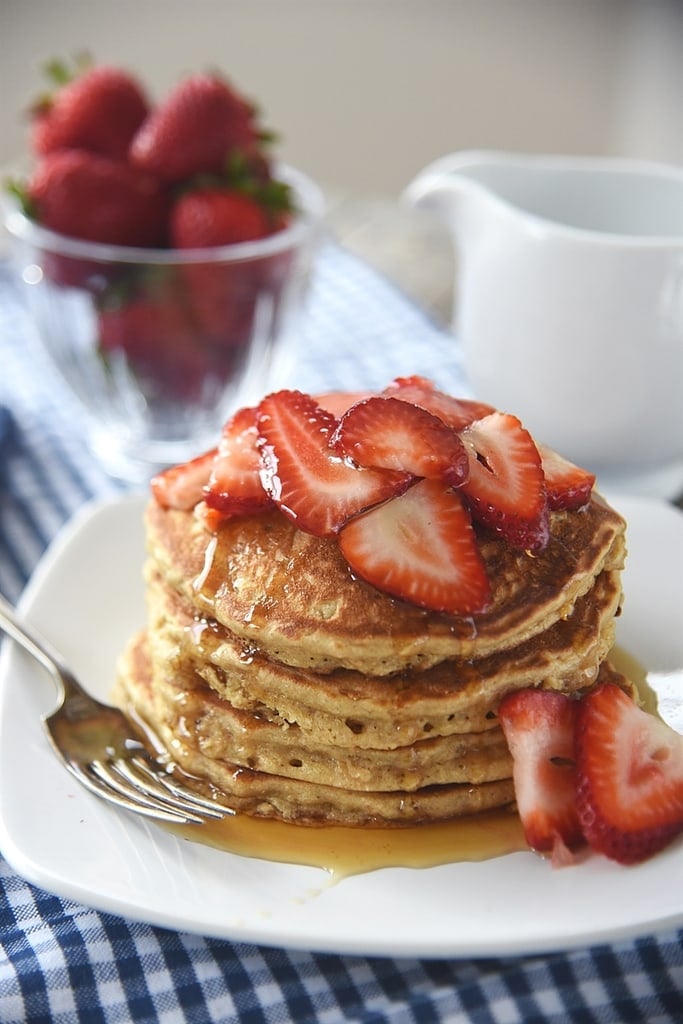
pixel 293 596
pixel 348 708
pixel 269 795
pixel 186 730
pixel 343 740
pixel 269 672
pixel 190 708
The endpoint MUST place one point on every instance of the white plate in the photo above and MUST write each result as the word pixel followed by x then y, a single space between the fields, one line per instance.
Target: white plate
pixel 87 597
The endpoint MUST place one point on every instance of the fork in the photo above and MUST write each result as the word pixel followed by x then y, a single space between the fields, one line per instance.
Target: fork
pixel 99 747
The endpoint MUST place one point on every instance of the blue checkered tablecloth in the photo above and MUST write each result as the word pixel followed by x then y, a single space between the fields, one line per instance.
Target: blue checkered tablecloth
pixel 62 962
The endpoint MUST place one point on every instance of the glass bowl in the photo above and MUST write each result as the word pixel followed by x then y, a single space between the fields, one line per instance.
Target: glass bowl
pixel 160 345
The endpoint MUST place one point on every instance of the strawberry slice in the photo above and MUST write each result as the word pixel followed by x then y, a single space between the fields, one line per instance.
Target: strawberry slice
pixel 388 433
pixel 182 486
pixel 234 487
pixel 210 518
pixel 539 728
pixel 420 547
pixel 567 486
pixel 338 402
pixel 506 487
pixel 629 777
pixel 307 479
pixel 456 412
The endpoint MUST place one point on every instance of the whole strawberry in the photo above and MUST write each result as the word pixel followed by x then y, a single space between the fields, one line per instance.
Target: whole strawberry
pixel 99 110
pixel 154 336
pixel 92 197
pixel 214 216
pixel 202 122
pixel 224 295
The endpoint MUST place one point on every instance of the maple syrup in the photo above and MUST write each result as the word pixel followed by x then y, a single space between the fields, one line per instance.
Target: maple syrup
pixel 633 670
pixel 344 851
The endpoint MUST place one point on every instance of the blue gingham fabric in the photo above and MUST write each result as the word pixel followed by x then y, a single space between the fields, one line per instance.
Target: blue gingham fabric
pixel 63 963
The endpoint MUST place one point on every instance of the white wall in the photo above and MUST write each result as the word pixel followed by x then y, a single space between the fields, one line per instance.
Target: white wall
pixel 365 92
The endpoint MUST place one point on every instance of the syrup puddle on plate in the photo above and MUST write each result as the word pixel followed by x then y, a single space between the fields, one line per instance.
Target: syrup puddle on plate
pixel 345 851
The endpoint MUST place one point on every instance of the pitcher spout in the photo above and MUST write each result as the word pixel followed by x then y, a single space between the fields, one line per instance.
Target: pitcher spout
pixel 448 183
pixel 595 196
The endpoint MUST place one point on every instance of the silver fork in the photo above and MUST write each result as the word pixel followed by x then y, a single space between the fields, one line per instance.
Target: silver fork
pixel 99 747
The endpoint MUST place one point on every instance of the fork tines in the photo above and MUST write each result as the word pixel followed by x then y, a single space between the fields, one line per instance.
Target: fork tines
pixel 133 784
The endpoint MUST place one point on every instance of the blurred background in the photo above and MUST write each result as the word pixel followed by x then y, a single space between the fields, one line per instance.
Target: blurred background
pixel 364 93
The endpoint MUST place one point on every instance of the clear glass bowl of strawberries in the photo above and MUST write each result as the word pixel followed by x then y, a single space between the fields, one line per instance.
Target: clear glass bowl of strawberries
pixel 164 256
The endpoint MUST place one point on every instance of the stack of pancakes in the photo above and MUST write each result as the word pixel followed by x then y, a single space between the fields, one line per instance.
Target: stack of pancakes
pixel 302 693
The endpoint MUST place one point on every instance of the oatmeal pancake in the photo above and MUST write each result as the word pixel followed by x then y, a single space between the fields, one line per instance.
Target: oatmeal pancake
pixel 346 707
pixel 187 705
pixel 256 775
pixel 271 795
pixel 292 595
pixel 338 608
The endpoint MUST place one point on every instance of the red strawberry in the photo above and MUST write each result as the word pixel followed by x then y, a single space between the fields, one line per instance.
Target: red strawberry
pixel 567 486
pixel 100 110
pixel 506 488
pixel 234 487
pixel 539 729
pixel 157 341
pixel 210 518
pixel 195 130
pixel 630 777
pixel 225 295
pixel 182 487
pixel 91 197
pixel 387 433
pixel 213 216
pixel 339 402
pixel 420 547
pixel 456 412
pixel 310 483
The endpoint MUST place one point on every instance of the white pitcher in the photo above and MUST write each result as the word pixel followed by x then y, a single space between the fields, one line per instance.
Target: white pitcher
pixel 569 302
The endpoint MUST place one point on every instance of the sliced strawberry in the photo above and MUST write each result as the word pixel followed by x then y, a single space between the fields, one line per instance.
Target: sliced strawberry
pixel 629 777
pixel 210 518
pixel 567 486
pixel 338 402
pixel 182 486
pixel 539 729
pixel 387 433
pixel 456 412
pixel 506 488
pixel 310 483
pixel 420 547
pixel 234 487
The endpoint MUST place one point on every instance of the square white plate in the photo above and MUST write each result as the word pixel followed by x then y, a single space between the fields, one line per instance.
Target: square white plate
pixel 87 597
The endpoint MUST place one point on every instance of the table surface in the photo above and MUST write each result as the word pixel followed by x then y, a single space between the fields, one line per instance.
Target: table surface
pixel 64 962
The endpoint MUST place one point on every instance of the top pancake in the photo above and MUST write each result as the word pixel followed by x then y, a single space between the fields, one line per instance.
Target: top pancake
pixel 294 597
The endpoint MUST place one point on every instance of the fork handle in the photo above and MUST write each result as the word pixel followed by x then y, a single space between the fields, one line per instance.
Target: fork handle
pixel 31 641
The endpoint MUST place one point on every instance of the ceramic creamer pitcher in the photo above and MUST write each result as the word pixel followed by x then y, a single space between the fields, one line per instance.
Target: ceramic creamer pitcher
pixel 569 302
